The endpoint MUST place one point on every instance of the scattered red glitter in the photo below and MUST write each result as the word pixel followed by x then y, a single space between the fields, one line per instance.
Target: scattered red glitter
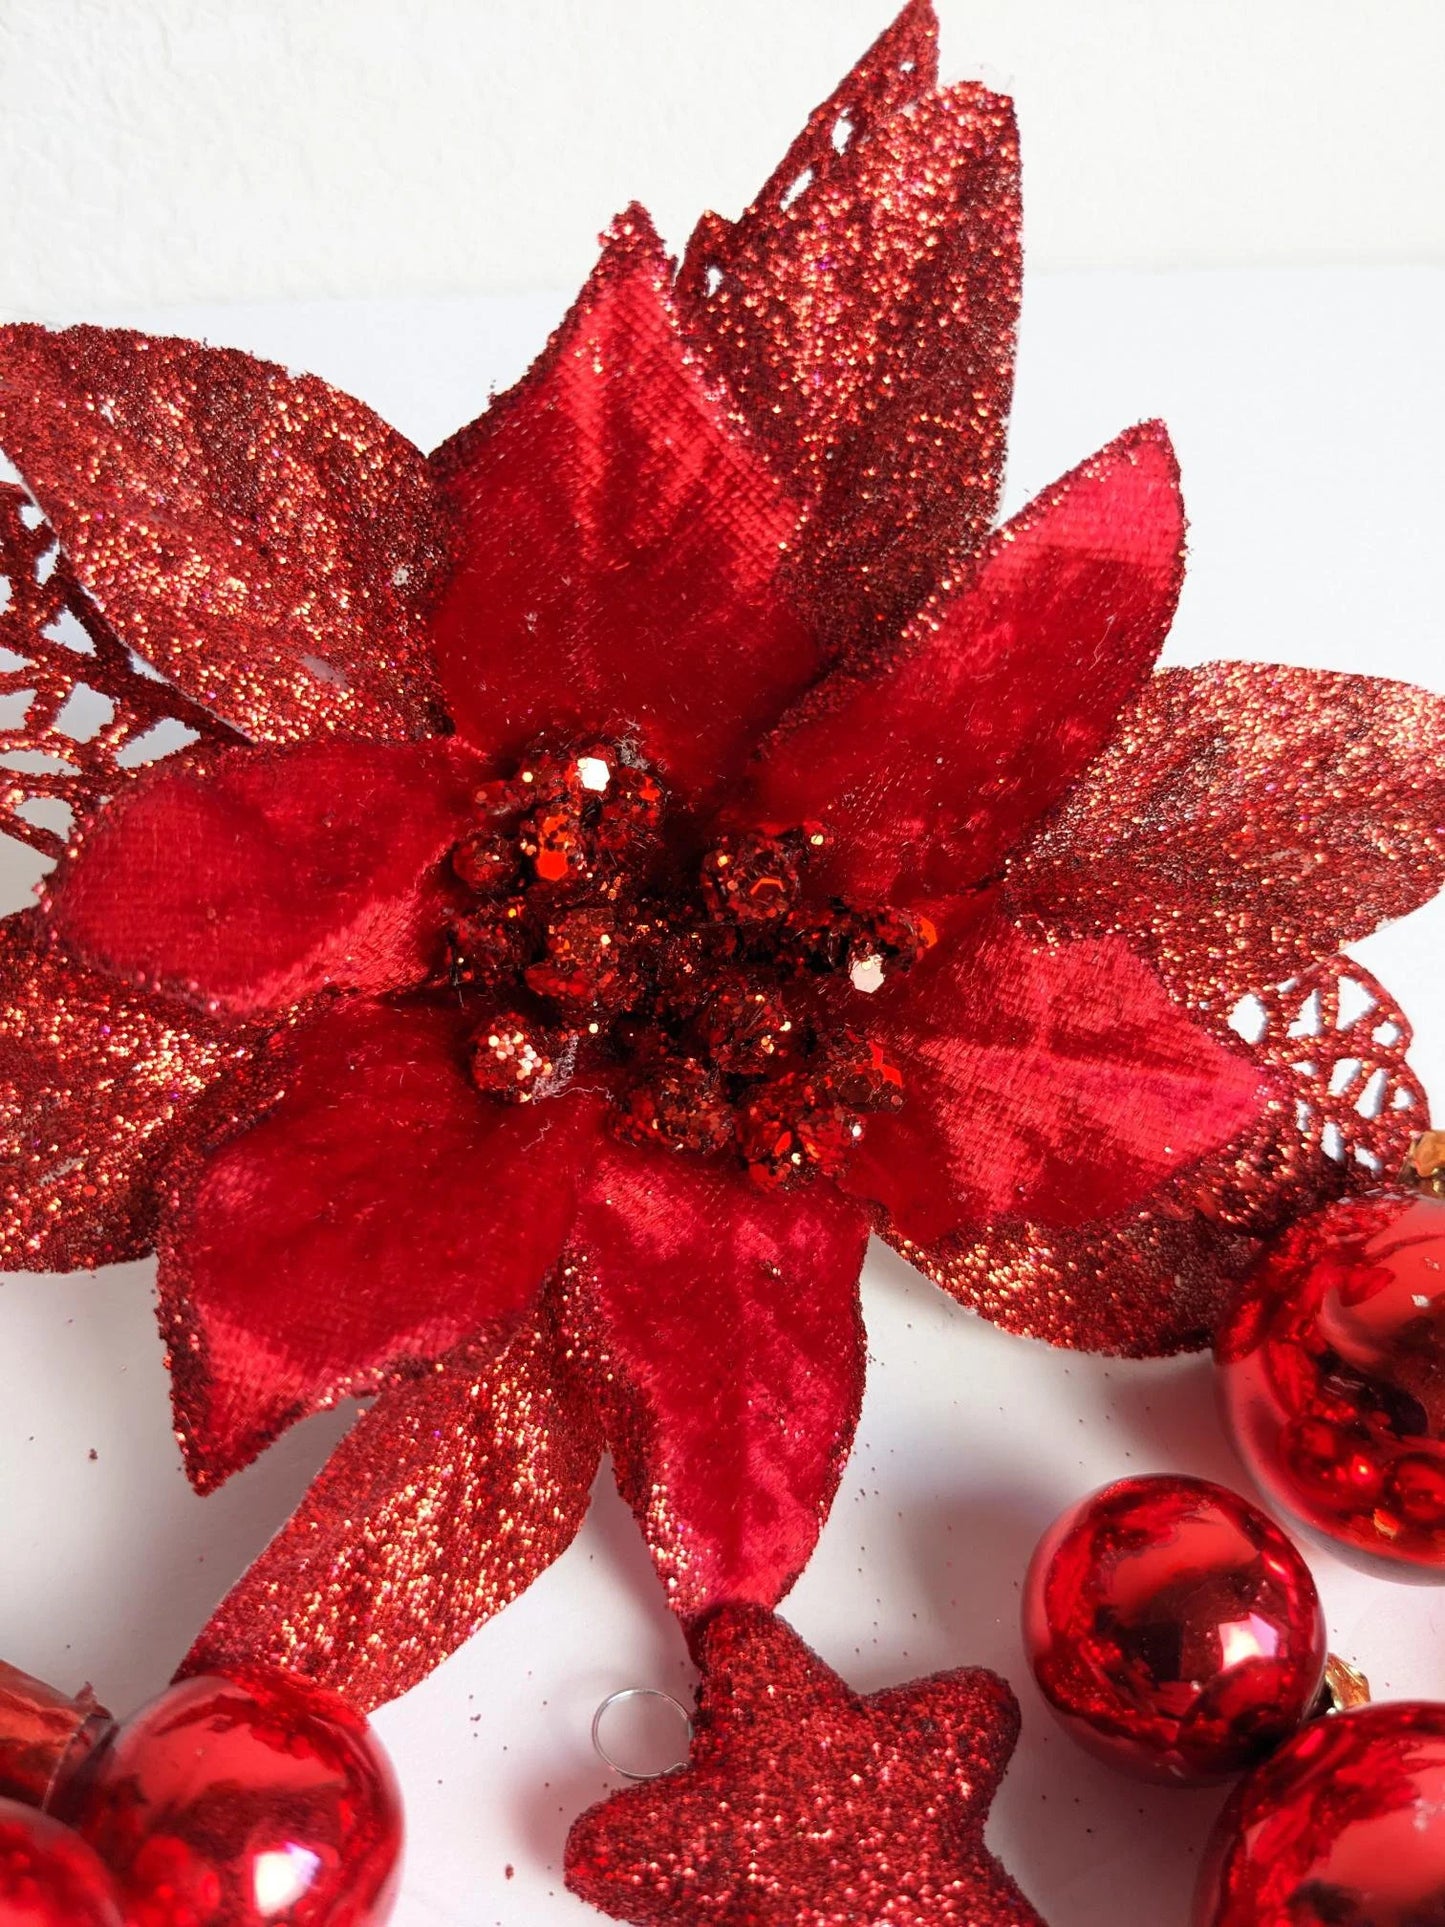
pixel 804 1801
pixel 513 1442
pixel 673 750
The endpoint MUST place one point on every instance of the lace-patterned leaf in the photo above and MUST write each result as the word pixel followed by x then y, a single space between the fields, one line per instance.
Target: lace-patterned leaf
pixel 1341 1043
pixel 79 715
pixel 1158 1279
pixel 1245 820
pixel 863 312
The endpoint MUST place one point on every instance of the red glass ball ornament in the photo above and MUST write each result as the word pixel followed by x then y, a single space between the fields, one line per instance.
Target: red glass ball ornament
pixel 1332 1373
pixel 251 1801
pixel 1344 1827
pixel 1174 1629
pixel 49 1877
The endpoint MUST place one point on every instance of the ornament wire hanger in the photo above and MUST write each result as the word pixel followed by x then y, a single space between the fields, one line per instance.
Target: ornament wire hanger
pixel 631 1694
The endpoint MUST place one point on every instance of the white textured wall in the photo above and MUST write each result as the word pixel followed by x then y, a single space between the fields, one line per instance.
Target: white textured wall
pixel 159 150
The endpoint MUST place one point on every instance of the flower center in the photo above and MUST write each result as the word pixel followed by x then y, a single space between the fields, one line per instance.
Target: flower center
pixel 720 1002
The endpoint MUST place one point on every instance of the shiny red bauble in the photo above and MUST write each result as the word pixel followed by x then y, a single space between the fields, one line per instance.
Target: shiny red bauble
pixel 1332 1371
pixel 1174 1629
pixel 1344 1827
pixel 252 1801
pixel 48 1875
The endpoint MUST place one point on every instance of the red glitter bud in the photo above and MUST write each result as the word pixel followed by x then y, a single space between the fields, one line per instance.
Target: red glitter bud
pixel 498 800
pixel 684 960
pixel 745 1026
pixel 680 1106
pixel 794 1127
pixel 820 941
pixel 680 987
pixel 896 935
pixel 557 845
pixel 631 812
pixel 588 962
pixel 516 1060
pixel 484 949
pixel 864 1076
pixel 487 862
pixel 750 879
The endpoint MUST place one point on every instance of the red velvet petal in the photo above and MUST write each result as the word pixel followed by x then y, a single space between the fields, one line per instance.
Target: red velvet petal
pixel 721 1330
pixel 268 543
pixel 1058 1083
pixel 863 311
pixel 1248 819
pixel 96 1085
pixel 620 544
pixel 447 1499
pixel 927 767
pixel 380 1212
pixel 1158 1277
pixel 254 877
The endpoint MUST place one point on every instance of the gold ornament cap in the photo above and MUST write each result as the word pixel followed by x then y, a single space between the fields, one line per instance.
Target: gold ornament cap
pixel 1424 1166
pixel 1345 1686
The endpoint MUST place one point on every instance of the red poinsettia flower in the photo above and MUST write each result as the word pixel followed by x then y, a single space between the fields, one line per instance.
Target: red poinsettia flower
pixel 633 853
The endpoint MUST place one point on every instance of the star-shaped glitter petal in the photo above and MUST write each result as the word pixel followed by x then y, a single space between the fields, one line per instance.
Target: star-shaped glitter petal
pixel 806 1804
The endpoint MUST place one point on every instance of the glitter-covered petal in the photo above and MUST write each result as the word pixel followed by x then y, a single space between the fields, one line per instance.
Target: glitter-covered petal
pixel 265 541
pixel 927 766
pixel 804 1802
pixel 720 1327
pixel 96 1085
pixel 368 1213
pixel 249 878
pixel 444 1502
pixel 619 545
pixel 1051 1082
pixel 863 311
pixel 1246 819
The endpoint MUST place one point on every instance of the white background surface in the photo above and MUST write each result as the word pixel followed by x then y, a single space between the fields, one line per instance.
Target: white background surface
pixel 170 150
pixel 1309 410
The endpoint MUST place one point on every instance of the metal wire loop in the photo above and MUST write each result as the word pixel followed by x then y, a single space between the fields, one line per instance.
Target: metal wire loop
pixel 636 1693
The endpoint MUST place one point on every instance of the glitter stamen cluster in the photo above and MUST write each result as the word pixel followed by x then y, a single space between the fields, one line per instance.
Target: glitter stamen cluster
pixel 699 996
